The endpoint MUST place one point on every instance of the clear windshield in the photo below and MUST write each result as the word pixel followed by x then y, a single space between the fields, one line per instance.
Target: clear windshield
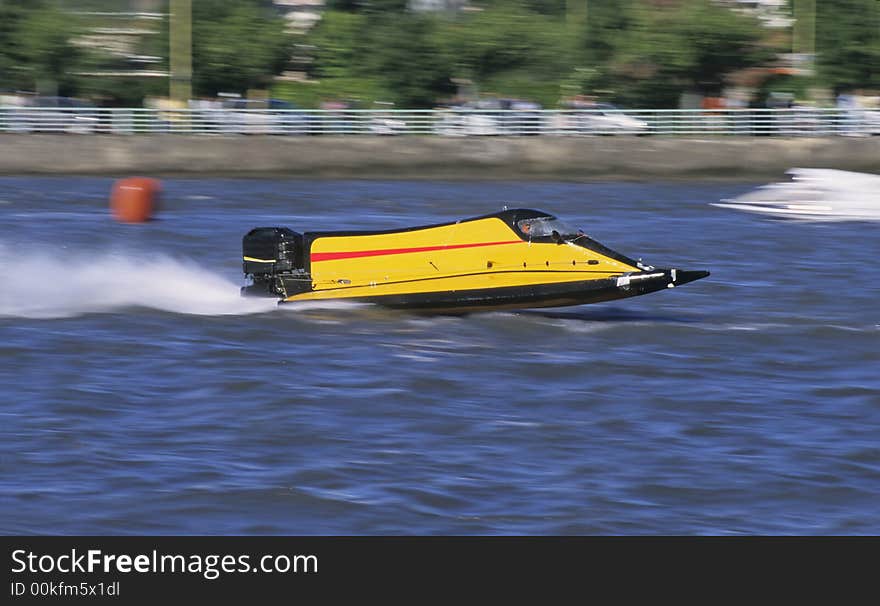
pixel 545 226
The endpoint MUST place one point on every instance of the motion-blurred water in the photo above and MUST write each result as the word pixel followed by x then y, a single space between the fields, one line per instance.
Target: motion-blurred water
pixel 141 394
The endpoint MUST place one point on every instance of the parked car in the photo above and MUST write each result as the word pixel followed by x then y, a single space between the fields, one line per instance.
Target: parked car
pixel 264 117
pixel 463 121
pixel 859 121
pixel 54 115
pixel 799 120
pixel 384 122
pixel 475 118
pixel 521 117
pixel 598 119
pixel 386 125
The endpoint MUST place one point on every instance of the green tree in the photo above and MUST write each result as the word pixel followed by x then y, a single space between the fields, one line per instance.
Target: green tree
pixel 36 52
pixel 237 45
pixel 848 44
pixel 508 51
pixel 339 42
pixel 604 23
pixel 405 56
pixel 504 39
pixel 691 46
pixel 397 51
pixel 10 16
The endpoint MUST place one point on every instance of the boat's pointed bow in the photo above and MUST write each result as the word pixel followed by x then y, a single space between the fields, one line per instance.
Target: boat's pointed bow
pixel 683 276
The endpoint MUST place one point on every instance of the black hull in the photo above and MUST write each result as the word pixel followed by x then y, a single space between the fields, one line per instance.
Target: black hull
pixel 536 295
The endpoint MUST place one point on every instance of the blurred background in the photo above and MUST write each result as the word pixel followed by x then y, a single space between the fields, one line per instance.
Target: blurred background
pixel 411 54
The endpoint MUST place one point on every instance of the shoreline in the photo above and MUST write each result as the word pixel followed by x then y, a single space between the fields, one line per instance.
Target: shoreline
pixel 625 158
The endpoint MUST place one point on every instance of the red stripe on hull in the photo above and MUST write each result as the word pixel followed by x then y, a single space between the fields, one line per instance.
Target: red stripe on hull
pixel 335 256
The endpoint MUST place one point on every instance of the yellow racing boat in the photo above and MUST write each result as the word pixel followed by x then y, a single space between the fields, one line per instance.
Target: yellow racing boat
pixel 518 258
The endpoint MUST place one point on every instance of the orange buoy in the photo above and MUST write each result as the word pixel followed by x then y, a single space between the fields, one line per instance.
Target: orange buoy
pixel 133 200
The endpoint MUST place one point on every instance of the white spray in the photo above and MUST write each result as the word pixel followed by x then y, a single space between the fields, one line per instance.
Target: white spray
pixel 37 284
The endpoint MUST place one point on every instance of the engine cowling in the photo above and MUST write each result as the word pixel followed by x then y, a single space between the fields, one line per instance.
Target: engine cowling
pixel 272 257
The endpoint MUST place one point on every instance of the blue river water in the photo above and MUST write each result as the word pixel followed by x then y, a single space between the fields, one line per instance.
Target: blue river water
pixel 142 395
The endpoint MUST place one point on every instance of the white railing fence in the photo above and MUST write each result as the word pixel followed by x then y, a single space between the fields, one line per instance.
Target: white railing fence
pixel 810 122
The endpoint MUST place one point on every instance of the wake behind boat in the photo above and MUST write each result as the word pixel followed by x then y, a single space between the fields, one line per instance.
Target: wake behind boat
pixel 512 259
pixel 817 194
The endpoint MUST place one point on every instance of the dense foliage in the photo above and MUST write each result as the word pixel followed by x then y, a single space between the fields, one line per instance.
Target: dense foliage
pixel 848 44
pixel 644 53
pixel 237 45
pixel 36 50
pixel 639 52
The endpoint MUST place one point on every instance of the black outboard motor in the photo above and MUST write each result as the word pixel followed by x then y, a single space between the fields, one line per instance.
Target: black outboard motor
pixel 273 258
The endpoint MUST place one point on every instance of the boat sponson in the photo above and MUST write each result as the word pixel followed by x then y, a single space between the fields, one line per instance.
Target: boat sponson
pixel 535 295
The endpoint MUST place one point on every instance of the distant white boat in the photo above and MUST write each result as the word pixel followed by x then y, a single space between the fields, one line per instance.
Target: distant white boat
pixel 816 194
